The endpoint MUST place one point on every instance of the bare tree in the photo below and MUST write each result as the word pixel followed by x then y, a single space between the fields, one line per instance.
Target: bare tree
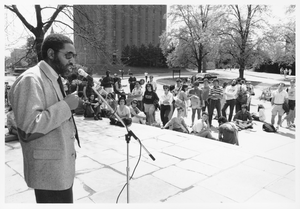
pixel 195 32
pixel 41 27
pixel 240 25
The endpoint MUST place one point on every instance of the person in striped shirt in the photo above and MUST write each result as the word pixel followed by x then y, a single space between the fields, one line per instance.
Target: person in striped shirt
pixel 215 95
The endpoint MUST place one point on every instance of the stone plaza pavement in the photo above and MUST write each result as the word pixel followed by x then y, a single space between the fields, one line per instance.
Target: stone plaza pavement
pixel 187 169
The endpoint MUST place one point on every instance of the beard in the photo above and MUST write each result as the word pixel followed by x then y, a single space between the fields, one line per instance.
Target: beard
pixel 61 69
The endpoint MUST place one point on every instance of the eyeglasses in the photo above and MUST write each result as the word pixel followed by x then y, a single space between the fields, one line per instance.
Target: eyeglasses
pixel 68 55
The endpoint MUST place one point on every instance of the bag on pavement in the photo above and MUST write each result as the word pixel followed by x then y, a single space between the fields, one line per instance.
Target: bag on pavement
pixel 268 127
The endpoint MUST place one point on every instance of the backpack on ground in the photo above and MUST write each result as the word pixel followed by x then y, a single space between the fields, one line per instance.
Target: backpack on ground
pixel 268 127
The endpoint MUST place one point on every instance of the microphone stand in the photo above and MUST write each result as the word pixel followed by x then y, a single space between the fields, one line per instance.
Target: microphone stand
pixel 127 138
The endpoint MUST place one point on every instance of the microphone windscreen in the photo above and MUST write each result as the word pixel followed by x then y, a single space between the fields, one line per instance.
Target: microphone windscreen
pixel 82 72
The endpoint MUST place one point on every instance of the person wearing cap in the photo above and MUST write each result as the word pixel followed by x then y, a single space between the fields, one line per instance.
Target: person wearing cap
pixel 136 114
pixel 243 118
pixel 165 101
pixel 195 95
pixel 108 83
pixel 205 91
pixel 290 118
pixel 131 81
pixel 278 98
pixel 153 83
pixel 215 95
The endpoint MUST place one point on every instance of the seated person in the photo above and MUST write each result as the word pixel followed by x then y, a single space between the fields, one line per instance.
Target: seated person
pixel 137 115
pixel 123 112
pixel 92 105
pixel 177 123
pixel 243 118
pixel 261 114
pixel 201 127
pixel 228 132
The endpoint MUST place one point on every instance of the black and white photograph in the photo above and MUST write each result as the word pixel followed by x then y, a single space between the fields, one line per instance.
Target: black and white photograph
pixel 164 103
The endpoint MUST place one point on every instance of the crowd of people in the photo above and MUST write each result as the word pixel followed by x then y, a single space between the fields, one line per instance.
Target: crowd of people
pixel 228 103
pixel 141 102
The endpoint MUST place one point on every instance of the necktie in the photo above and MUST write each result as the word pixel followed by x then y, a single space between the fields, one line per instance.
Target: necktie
pixel 64 95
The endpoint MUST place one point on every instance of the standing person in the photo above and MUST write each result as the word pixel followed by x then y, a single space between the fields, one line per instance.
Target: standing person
pixel 241 95
pixel 153 83
pixel 292 103
pixel 250 93
pixel 290 72
pixel 215 95
pixel 166 100
pixel 182 97
pixel 87 88
pixel 178 86
pixel 278 98
pixel 285 72
pixel 146 76
pixel 131 81
pixel 118 90
pixel 196 101
pixel 150 98
pixel 122 72
pixel 228 132
pixel 108 83
pixel 224 98
pixel 281 70
pixel 205 91
pixel 46 128
pixel 230 91
pixel 6 93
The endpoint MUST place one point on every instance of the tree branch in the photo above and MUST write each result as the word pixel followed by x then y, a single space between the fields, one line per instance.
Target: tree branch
pixel 15 10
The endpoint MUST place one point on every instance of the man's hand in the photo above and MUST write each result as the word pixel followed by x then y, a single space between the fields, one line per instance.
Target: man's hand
pixel 72 100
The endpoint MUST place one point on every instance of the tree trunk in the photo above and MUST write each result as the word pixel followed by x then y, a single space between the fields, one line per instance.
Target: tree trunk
pixel 199 59
pixel 38 46
pixel 242 69
pixel 199 66
pixel 204 64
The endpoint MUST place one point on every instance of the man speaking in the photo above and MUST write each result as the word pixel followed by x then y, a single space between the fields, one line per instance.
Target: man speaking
pixel 46 128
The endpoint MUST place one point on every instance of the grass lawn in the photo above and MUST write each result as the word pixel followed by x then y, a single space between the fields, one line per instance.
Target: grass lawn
pixel 172 81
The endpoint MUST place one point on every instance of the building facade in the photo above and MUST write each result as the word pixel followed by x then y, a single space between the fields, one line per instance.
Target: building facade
pixel 102 31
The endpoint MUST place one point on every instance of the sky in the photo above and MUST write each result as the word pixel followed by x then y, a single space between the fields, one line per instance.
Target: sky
pixel 15 32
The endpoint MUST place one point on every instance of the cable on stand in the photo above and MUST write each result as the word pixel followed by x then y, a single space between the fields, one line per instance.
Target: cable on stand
pixel 127 138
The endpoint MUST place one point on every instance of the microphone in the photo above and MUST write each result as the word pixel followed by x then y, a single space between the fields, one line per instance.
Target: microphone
pixel 87 76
